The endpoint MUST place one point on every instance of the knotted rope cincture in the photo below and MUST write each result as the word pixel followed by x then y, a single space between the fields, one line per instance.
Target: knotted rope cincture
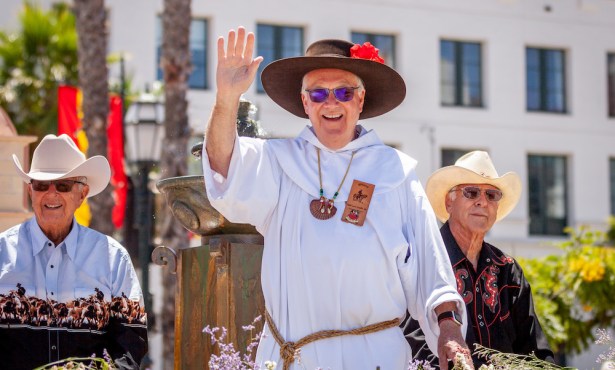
pixel 289 350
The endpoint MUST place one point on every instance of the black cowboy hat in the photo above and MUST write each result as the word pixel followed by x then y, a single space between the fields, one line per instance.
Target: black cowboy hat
pixel 384 87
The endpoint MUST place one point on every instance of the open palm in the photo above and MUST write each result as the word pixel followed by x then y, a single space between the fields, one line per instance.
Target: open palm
pixel 236 68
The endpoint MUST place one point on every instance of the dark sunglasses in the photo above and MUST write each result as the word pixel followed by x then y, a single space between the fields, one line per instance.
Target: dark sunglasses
pixel 473 192
pixel 342 94
pixel 62 186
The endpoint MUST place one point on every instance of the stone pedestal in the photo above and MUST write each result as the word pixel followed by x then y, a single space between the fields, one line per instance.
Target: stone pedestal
pixel 218 282
pixel 14 208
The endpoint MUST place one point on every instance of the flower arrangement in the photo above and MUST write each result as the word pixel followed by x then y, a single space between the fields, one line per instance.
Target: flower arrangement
pixel 419 365
pixel 459 363
pixel 366 51
pixel 231 359
pixel 82 363
pixel 607 357
pixel 509 361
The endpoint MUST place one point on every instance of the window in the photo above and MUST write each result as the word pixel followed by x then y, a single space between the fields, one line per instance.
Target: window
pixel 611 77
pixel 450 156
pixel 612 187
pixel 277 42
pixel 545 80
pixel 460 73
pixel 198 53
pixel 384 43
pixel 548 205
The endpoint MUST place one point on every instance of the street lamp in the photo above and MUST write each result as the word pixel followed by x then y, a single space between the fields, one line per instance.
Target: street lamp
pixel 144 127
pixel 145 130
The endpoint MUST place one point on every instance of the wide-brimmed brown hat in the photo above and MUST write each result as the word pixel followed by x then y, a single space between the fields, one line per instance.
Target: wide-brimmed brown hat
pixel 472 168
pixel 384 87
pixel 58 157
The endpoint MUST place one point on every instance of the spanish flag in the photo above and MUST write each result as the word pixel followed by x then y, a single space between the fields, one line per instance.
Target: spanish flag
pixel 69 122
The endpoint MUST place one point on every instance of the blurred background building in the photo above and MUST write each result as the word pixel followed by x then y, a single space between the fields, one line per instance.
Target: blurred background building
pixel 530 81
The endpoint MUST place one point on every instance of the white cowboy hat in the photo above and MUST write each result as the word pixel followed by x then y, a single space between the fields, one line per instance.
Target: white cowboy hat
pixel 472 168
pixel 58 157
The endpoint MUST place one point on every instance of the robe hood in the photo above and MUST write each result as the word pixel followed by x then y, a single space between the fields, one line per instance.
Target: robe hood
pixel 373 162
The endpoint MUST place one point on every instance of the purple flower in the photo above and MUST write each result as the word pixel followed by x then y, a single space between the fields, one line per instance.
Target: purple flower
pixel 230 358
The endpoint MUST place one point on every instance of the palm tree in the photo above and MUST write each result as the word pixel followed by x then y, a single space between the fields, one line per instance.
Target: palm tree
pixel 93 73
pixel 175 63
pixel 33 60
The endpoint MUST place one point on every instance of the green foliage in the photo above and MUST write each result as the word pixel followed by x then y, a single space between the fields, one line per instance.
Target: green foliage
pixel 80 363
pixel 573 291
pixel 33 61
pixel 505 361
pixel 131 94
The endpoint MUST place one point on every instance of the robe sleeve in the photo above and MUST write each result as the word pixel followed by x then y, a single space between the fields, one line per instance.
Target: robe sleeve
pixel 425 270
pixel 250 192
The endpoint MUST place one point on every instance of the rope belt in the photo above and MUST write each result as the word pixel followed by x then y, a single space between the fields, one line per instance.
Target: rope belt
pixel 289 350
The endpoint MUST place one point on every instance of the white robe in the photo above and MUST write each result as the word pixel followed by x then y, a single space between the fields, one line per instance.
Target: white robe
pixel 319 275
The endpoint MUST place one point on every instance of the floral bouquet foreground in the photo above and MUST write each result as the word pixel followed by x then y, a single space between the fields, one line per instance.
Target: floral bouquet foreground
pixel 82 363
pixel 231 359
pixel 497 361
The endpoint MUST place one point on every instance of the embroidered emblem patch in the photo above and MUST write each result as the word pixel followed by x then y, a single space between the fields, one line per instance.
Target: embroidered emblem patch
pixel 358 202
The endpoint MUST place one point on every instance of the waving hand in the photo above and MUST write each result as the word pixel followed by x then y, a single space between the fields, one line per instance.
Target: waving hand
pixel 236 68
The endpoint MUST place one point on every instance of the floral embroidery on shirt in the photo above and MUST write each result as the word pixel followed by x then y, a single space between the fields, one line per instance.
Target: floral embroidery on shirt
pixel 490 280
pixel 463 288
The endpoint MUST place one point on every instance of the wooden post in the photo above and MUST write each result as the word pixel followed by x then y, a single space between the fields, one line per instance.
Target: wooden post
pixel 218 283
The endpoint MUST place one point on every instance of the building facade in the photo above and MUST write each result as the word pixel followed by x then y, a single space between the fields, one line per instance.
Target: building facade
pixel 531 82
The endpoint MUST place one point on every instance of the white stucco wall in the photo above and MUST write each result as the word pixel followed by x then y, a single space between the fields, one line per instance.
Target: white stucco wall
pixel 421 127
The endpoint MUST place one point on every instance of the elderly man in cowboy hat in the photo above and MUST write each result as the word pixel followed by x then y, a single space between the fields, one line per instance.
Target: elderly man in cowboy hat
pixel 351 241
pixel 66 290
pixel 469 197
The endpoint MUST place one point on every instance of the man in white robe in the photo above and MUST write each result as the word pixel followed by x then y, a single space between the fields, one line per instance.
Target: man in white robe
pixel 323 269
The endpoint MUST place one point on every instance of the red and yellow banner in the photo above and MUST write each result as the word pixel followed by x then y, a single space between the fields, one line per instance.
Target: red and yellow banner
pixel 115 151
pixel 69 122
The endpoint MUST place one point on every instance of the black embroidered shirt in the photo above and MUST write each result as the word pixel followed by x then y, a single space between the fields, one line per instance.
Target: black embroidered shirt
pixel 498 298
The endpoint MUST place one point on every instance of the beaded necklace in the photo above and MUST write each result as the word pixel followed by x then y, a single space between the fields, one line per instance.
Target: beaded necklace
pixel 323 208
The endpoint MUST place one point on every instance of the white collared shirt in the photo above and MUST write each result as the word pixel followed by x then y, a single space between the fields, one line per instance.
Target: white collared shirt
pixel 84 261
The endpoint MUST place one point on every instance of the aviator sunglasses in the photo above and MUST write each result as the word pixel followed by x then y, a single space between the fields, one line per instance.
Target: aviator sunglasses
pixel 62 186
pixel 342 94
pixel 473 192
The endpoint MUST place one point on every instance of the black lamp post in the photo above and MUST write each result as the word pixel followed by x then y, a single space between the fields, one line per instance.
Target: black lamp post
pixel 144 127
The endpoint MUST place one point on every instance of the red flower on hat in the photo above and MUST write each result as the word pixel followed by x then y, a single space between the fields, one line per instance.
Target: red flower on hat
pixel 366 51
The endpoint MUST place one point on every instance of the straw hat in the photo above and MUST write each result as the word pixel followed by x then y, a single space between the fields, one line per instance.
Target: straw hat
pixel 58 157
pixel 473 168
pixel 384 87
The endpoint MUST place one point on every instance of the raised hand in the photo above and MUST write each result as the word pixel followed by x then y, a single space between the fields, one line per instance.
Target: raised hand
pixel 236 68
pixel 234 75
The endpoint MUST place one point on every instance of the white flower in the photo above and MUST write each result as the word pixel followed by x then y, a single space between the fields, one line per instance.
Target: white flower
pixel 460 362
pixel 270 365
